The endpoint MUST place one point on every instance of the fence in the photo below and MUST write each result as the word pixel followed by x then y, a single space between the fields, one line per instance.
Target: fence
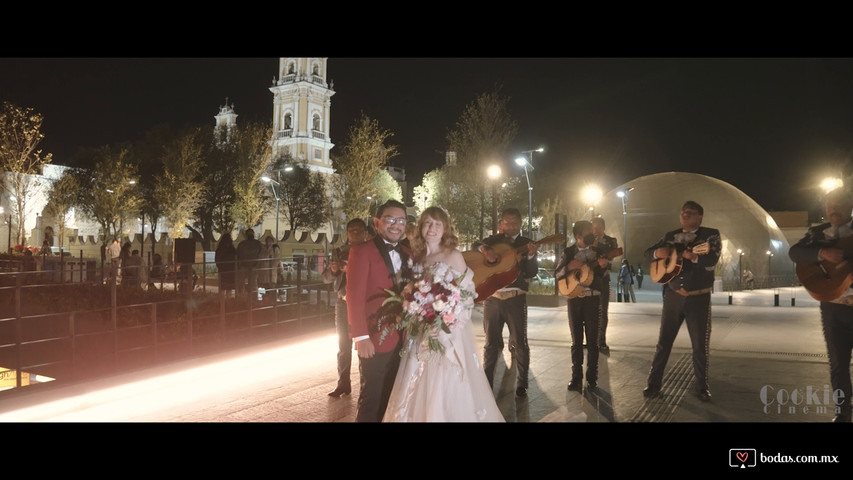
pixel 121 326
pixel 735 283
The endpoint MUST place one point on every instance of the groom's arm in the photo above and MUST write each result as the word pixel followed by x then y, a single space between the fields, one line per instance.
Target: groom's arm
pixel 358 272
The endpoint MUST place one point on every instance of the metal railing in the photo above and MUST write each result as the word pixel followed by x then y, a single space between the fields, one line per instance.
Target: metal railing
pixel 732 283
pixel 137 328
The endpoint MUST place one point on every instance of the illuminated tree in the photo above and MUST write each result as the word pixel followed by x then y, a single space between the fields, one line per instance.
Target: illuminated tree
pixel 20 158
pixel 108 192
pixel 362 158
pixel 178 188
pixel 482 134
pixel 252 154
pixel 61 198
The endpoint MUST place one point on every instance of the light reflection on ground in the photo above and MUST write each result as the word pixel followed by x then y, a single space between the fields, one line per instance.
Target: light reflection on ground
pixel 196 382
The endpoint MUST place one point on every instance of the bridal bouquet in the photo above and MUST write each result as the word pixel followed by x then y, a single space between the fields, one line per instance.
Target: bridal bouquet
pixel 431 304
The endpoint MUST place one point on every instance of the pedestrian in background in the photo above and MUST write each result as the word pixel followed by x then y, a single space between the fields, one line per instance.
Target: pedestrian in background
pixel 248 252
pixel 639 276
pixel 627 282
pixel 226 262
pixel 114 252
pixel 336 274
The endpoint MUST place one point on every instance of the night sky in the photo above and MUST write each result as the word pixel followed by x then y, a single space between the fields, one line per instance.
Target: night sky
pixel 771 127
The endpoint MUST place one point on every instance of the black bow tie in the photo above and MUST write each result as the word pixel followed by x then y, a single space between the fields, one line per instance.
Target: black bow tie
pixel 389 247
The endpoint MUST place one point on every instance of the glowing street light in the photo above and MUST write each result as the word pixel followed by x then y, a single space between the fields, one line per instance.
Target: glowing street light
pixel 740 254
pixel 524 162
pixel 769 269
pixel 831 183
pixel 494 173
pixel 590 196
pixel 275 194
pixel 623 195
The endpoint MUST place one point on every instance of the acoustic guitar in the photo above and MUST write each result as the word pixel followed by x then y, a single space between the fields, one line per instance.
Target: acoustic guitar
pixel 665 269
pixel 826 281
pixel 574 283
pixel 491 277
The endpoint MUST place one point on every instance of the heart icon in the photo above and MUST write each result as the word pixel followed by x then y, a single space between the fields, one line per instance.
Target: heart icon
pixel 742 456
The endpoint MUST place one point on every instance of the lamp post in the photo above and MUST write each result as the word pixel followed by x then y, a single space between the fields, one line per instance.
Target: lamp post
pixel 769 270
pixel 494 174
pixel 275 194
pixel 740 268
pixel 9 228
pixel 524 162
pixel 623 194
pixel 370 201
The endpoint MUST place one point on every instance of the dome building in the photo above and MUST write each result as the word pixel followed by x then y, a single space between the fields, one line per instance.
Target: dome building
pixel 751 239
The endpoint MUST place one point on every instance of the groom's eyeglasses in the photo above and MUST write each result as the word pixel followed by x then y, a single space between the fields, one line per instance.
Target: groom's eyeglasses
pixel 392 220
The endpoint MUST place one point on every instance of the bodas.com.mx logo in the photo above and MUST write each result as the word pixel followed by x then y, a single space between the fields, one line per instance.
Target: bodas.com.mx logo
pixel 742 457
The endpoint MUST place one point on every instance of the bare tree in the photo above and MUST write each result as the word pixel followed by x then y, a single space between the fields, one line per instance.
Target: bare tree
pixel 482 136
pixel 20 158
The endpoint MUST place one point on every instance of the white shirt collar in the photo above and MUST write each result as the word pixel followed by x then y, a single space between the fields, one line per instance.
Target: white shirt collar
pixel 840 231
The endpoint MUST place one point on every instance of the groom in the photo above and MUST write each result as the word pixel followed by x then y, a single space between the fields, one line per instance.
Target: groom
pixel 373 267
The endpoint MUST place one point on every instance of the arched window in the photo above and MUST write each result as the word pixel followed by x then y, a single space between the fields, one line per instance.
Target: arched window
pixel 288 121
pixel 318 125
pixel 291 69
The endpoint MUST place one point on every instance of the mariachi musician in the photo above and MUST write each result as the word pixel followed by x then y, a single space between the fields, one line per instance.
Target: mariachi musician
pixel 508 305
pixel 826 247
pixel 687 295
pixel 584 306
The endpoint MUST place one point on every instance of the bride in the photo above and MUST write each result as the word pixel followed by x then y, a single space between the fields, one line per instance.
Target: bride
pixel 432 386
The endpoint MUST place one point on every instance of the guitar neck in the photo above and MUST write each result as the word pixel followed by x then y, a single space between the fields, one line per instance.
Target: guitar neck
pixel 548 239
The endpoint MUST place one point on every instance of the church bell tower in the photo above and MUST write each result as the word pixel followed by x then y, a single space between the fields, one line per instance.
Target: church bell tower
pixel 301 105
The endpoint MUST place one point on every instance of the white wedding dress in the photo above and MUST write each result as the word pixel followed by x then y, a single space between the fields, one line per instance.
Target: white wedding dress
pixel 450 387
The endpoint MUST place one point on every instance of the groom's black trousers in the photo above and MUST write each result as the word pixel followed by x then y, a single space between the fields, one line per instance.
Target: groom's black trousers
pixel 377 380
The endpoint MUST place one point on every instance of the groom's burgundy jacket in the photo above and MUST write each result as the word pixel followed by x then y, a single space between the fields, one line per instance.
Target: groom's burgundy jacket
pixel 367 278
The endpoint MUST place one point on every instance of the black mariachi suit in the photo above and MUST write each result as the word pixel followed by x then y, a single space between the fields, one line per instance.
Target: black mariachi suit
pixel 512 312
pixel 836 316
pixel 605 244
pixel 694 308
pixel 339 285
pixel 584 313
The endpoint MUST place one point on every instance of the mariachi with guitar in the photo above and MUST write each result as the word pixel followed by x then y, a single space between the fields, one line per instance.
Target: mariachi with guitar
pixel 578 280
pixel 824 280
pixel 663 270
pixel 489 277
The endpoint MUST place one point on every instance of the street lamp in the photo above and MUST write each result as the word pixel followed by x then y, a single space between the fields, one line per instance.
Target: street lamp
pixel 275 194
pixel 831 183
pixel 769 270
pixel 494 173
pixel 524 162
pixel 591 195
pixel 740 255
pixel 9 225
pixel 623 194
pixel 371 201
